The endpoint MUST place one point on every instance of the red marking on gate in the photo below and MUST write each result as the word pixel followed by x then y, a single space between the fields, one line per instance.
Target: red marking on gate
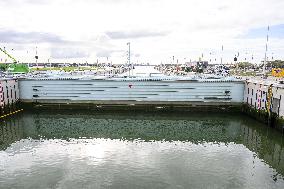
pixel 1 95
pixel 259 91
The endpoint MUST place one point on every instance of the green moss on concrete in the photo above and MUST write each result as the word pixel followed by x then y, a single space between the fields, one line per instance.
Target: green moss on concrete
pixel 261 115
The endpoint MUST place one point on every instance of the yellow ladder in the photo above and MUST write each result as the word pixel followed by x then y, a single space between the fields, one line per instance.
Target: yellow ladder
pixel 268 99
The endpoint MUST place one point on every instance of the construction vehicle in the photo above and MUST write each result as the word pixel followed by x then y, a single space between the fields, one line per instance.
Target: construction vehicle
pixel 12 58
pixel 15 67
pixel 278 72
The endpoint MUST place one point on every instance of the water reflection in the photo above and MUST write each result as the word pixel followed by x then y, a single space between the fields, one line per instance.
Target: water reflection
pixel 196 128
pixel 11 130
pixel 79 141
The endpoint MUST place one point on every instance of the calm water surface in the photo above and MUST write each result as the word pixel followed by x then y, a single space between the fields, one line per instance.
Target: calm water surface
pixel 135 150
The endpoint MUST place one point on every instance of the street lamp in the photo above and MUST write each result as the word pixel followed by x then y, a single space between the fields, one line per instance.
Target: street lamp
pixel 129 62
pixel 235 60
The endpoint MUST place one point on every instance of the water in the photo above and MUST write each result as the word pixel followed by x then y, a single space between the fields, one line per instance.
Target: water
pixel 135 150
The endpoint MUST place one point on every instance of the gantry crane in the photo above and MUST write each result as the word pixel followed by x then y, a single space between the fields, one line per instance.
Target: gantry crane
pixel 5 52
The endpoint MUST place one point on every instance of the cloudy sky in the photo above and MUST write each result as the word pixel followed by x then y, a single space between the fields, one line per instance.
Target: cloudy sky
pixel 87 30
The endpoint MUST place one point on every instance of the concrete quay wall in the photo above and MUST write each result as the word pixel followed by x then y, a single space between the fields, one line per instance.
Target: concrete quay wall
pixel 264 100
pixel 9 95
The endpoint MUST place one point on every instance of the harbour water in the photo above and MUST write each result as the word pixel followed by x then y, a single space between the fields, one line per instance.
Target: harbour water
pixel 139 150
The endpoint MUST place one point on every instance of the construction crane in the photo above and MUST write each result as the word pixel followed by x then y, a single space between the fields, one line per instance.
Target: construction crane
pixel 5 52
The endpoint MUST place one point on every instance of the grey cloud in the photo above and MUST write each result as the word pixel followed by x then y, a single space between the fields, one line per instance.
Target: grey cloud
pixel 116 1
pixel 222 8
pixel 59 53
pixel 12 2
pixel 10 36
pixel 37 1
pixel 134 34
pixel 104 53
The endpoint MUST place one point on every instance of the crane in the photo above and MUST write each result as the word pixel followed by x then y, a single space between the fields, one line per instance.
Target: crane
pixel 5 52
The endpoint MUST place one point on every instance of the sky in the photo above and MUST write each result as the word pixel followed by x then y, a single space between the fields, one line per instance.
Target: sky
pixel 158 30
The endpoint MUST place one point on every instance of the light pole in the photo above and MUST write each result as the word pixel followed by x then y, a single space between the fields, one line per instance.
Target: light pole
pixel 48 60
pixel 236 64
pixel 129 62
pixel 222 55
pixel 265 56
pixel 36 57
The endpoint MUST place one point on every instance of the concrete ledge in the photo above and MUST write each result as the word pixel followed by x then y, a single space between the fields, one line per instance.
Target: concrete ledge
pixel 126 102
pixel 134 105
